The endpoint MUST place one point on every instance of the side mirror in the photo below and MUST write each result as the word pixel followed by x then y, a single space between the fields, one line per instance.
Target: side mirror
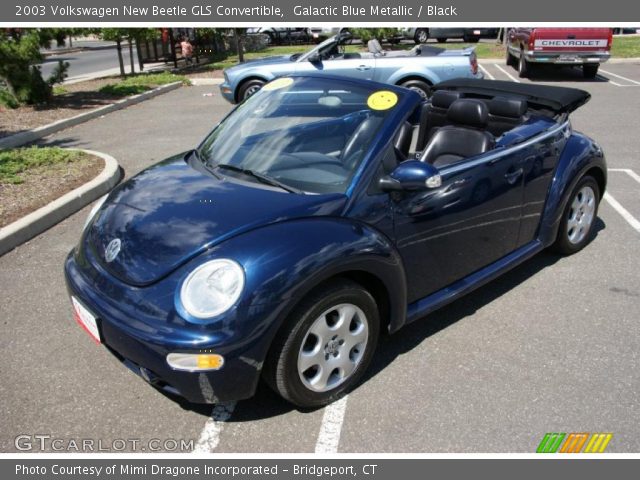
pixel 411 175
pixel 314 58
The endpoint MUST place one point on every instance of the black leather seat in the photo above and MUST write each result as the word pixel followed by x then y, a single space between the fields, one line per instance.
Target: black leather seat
pixel 505 114
pixel 434 115
pixel 402 142
pixel 465 137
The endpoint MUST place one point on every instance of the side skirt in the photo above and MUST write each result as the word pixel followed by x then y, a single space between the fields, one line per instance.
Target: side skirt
pixel 436 300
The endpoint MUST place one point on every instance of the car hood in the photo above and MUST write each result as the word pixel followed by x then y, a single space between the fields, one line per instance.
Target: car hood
pixel 173 211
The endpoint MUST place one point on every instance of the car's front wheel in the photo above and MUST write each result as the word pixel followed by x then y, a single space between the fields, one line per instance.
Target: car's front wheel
pixel 325 346
pixel 249 88
pixel 579 217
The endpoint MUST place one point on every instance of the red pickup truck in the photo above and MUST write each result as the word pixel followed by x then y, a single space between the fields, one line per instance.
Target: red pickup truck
pixel 586 47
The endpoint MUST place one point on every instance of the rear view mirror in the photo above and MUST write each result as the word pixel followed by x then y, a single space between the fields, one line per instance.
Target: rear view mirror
pixel 314 57
pixel 412 175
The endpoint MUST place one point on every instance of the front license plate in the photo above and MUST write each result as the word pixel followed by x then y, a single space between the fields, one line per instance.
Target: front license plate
pixel 86 320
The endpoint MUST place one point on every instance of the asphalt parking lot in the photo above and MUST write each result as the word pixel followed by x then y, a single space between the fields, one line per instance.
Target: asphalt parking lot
pixel 553 346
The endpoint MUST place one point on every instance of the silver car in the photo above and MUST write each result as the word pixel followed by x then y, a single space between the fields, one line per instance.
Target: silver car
pixel 417 69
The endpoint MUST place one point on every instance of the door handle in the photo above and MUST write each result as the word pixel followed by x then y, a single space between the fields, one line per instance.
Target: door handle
pixel 362 68
pixel 512 177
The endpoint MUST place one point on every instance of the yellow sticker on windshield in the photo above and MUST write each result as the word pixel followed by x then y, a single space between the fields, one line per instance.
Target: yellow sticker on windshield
pixel 278 83
pixel 382 100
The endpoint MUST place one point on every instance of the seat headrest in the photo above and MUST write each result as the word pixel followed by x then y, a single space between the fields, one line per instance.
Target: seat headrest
pixel 469 112
pixel 444 98
pixel 374 46
pixel 507 107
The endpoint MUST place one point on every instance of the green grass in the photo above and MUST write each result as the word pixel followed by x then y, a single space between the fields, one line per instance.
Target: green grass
pixel 15 161
pixel 59 90
pixel 141 83
pixel 625 47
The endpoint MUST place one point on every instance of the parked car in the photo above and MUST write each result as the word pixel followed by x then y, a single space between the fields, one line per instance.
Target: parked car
pixel 319 213
pixel 320 34
pixel 417 69
pixel 421 35
pixel 584 47
pixel 281 35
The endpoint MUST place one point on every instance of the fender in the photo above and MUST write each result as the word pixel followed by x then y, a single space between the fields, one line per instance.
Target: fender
pixel 579 155
pixel 285 269
pixel 258 72
pixel 411 71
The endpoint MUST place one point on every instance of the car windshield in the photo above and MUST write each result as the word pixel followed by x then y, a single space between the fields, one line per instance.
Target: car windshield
pixel 309 134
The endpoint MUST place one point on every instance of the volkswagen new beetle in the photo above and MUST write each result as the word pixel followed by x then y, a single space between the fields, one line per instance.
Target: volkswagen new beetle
pixel 319 213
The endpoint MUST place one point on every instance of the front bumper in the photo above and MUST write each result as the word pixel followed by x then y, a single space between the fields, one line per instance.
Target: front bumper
pixel 227 92
pixel 566 58
pixel 126 325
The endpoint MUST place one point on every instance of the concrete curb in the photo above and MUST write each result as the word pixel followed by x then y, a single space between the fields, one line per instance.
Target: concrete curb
pixel 29 226
pixel 31 135
pixel 206 81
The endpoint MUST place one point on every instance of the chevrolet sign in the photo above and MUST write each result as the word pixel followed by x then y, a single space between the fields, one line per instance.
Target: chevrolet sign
pixel 570 43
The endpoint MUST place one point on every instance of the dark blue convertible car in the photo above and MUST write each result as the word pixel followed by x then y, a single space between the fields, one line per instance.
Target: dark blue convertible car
pixel 319 213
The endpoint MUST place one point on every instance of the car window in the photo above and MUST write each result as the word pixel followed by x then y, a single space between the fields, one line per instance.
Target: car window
pixel 306 133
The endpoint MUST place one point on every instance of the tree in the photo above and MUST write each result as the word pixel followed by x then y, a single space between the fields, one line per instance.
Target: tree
pixel 367 34
pixel 116 35
pixel 19 69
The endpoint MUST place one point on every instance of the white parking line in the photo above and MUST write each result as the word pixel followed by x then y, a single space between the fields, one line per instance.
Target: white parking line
pixel 624 213
pixel 210 435
pixel 608 80
pixel 628 171
pixel 621 77
pixel 329 436
pixel 506 73
pixel 486 72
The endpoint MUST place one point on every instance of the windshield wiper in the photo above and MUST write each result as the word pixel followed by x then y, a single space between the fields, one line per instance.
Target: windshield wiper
pixel 259 176
pixel 206 165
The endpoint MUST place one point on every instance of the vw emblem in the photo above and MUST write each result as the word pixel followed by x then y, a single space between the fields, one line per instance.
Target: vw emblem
pixel 112 250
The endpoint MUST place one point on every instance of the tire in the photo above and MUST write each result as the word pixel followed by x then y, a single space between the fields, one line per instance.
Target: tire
pixel 470 39
pixel 248 88
pixel 421 36
pixel 579 217
pixel 590 70
pixel 442 40
pixel 509 59
pixel 524 67
pixel 419 86
pixel 319 324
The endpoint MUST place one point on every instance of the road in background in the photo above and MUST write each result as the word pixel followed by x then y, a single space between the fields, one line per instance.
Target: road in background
pixel 91 63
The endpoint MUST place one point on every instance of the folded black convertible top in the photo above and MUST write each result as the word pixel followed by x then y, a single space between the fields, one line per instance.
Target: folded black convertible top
pixel 558 99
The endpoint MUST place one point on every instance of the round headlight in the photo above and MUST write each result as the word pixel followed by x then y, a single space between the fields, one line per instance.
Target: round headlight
pixel 94 210
pixel 212 288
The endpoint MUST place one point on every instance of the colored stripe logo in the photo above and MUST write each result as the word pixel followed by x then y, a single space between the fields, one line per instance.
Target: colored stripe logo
pixel 574 443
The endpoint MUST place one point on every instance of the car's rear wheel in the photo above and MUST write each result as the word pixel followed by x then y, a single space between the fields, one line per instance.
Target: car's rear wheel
pixel 325 346
pixel 509 59
pixel 524 67
pixel 579 217
pixel 470 39
pixel 420 87
pixel 421 35
pixel 442 40
pixel 249 88
pixel 590 70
